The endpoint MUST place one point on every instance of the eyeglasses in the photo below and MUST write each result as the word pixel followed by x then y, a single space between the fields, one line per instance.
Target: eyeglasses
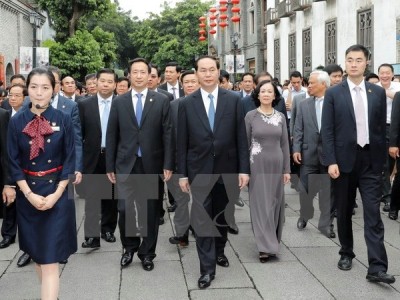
pixel 15 95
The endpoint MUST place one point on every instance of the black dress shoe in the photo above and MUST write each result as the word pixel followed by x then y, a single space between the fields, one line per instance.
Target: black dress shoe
pixel 126 258
pixel 63 262
pixel 161 222
pixel 329 233
pixel 91 243
pixel 147 264
pixel 205 280
pixel 172 208
pixel 182 241
pixel 386 207
pixel 222 261
pixel 353 212
pixel 393 214
pixel 233 229
pixel 345 263
pixel 7 241
pixel 301 223
pixel 23 260
pixel 381 277
pixel 264 257
pixel 108 237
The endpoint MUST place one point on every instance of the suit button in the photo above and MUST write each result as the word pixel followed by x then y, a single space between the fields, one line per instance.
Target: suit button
pixel 49 161
pixel 33 163
pixel 33 182
pixel 48 140
pixel 30 142
pixel 50 181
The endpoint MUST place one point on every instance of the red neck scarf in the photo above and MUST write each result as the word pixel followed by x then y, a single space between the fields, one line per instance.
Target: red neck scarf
pixel 37 129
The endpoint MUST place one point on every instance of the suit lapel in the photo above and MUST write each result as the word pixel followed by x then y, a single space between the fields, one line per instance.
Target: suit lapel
pixel 148 104
pixel 313 113
pixel 370 101
pixel 96 113
pixel 347 98
pixel 221 101
pixel 129 108
pixel 200 109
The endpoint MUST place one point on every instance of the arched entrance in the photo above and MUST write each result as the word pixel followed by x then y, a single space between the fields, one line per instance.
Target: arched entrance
pixel 9 73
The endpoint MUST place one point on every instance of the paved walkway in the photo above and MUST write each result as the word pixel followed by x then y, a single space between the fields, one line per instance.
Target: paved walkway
pixel 305 269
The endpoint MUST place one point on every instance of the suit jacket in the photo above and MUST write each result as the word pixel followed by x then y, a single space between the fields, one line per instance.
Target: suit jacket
pixel 205 151
pixel 339 130
pixel 394 133
pixel 153 136
pixel 164 92
pixel 295 103
pixel 306 136
pixel 6 104
pixel 70 108
pixel 4 117
pixel 91 132
pixel 165 88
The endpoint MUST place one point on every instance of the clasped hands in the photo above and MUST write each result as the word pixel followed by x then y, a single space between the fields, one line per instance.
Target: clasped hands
pixel 43 203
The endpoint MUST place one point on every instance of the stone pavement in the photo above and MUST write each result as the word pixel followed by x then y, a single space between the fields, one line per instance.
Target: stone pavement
pixel 305 269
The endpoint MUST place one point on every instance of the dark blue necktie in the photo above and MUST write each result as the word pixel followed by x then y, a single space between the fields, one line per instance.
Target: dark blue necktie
pixel 211 112
pixel 139 111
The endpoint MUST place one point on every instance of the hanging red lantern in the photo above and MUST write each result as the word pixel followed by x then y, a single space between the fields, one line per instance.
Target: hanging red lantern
pixel 235 19
pixel 223 24
pixel 213 10
pixel 223 9
pixel 202 38
pixel 213 24
pixel 213 17
pixel 223 2
pixel 202 19
pixel 212 31
pixel 202 32
pixel 223 17
pixel 202 25
pixel 235 10
pixel 235 1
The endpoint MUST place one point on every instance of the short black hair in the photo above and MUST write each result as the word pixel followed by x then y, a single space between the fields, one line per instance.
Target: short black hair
pixel 15 76
pixel 157 68
pixel 371 75
pixel 196 63
pixel 107 71
pixel 247 74
pixel 90 76
pixel 295 74
pixel 386 65
pixel 189 72
pixel 174 64
pixel 256 93
pixel 24 89
pixel 41 71
pixel 332 68
pixel 358 48
pixel 139 59
pixel 123 78
pixel 262 74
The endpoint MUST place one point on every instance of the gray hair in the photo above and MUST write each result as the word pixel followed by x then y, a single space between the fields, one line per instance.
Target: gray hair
pixel 322 77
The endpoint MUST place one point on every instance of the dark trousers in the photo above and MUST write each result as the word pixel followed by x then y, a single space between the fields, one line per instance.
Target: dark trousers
pixel 208 218
pixel 395 197
pixel 386 188
pixel 315 179
pixel 9 226
pixel 181 216
pixel 139 213
pixel 100 203
pixel 369 184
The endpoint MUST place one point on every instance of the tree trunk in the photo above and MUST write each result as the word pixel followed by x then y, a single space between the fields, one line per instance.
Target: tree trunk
pixel 77 13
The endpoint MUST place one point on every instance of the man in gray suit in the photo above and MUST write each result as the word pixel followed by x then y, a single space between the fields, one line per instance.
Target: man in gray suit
pixel 307 151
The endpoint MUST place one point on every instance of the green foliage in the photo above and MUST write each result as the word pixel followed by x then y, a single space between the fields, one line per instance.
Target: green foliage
pixel 107 45
pixel 172 36
pixel 78 56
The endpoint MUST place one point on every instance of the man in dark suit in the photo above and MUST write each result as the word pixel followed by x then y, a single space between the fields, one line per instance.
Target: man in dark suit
pixel 139 146
pixel 307 152
pixel 94 113
pixel 354 149
pixel 190 84
pixel 211 141
pixel 154 81
pixel 7 188
pixel 172 85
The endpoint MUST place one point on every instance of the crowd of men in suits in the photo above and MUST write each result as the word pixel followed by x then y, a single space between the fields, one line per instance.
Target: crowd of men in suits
pixel 189 133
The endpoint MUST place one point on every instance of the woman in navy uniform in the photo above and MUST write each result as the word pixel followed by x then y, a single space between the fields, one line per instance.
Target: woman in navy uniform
pixel 42 156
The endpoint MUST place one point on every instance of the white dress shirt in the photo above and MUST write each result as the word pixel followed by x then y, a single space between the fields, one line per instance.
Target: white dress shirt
pixel 363 93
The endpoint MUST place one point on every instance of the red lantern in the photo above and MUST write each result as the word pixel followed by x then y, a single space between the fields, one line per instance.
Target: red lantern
pixel 202 25
pixel 235 19
pixel 213 24
pixel 213 17
pixel 212 31
pixel 235 10
pixel 223 24
pixel 202 19
pixel 223 2
pixel 223 9
pixel 202 38
pixel 213 10
pixel 223 17
pixel 235 1
pixel 202 32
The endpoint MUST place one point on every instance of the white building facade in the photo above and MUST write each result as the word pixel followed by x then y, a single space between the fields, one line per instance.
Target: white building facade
pixel 304 34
